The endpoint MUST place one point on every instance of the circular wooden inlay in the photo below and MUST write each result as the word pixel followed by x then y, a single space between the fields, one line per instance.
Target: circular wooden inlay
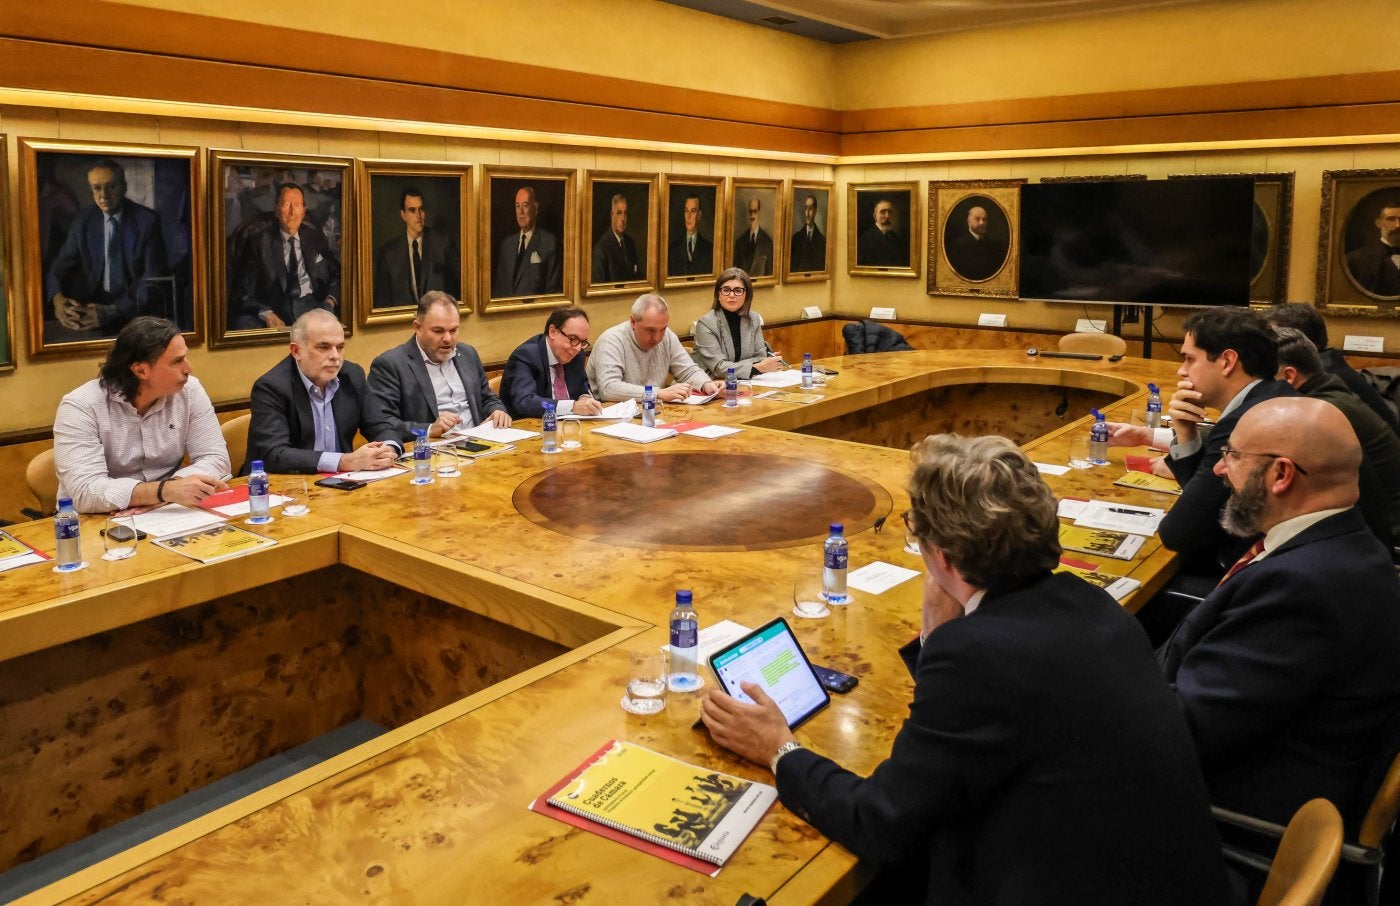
pixel 694 501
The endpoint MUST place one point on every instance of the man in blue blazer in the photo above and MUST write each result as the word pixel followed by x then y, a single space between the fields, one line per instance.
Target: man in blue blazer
pixel 1287 670
pixel 431 381
pixel 550 366
pixel 308 408
pixel 1042 749
pixel 106 273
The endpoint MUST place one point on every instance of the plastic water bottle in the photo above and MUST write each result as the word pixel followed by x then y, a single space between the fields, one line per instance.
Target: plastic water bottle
pixel 731 390
pixel 649 406
pixel 258 502
pixel 1154 407
pixel 68 533
pixel 684 675
pixel 550 428
pixel 1098 440
pixel 835 560
pixel 422 457
pixel 806 371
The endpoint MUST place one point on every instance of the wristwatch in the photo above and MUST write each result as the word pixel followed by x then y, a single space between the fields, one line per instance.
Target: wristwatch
pixel 789 746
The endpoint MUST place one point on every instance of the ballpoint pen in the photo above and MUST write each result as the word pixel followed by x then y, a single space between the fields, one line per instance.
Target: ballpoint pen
pixel 1129 512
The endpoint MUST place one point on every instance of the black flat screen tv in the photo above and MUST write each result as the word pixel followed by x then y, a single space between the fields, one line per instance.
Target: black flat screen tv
pixel 1157 242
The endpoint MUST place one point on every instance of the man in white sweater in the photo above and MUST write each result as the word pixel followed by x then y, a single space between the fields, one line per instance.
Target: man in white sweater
pixel 641 351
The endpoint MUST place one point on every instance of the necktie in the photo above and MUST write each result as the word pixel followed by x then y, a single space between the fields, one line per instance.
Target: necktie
pixel 561 388
pixel 1255 550
pixel 690 248
pixel 293 271
pixel 418 267
pixel 809 234
pixel 520 256
pixel 114 280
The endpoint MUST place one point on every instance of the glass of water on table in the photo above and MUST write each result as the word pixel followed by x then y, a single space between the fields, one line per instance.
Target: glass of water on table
pixel 646 681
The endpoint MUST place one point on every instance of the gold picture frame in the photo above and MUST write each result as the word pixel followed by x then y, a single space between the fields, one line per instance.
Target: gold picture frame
pixel 1351 261
pixel 974 238
pixel 543 272
pixel 808 258
pixel 871 250
pixel 7 272
pixel 628 265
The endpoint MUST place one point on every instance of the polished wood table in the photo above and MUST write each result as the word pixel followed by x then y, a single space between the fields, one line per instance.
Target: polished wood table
pixel 485 620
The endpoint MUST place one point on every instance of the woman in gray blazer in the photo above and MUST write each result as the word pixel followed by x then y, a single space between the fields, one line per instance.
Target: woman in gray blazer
pixel 730 335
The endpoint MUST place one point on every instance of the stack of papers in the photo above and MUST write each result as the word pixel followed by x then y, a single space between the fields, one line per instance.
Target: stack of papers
pixel 498 435
pixel 14 552
pixel 234 502
pixel 1115 517
pixel 636 433
pixel 174 519
pixel 789 378
pixel 625 409
pixel 698 399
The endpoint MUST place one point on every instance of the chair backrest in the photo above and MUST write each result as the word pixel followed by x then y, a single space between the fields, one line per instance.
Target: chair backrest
pixel 43 481
pixel 494 383
pixel 1306 858
pixel 236 439
pixel 1385 806
pixel 1102 343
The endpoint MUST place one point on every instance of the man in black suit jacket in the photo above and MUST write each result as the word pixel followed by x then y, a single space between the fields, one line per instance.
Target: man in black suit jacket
pixel 753 248
pixel 423 259
pixel 808 253
pixel 1302 316
pixel 528 263
pixel 283 270
pixel 537 368
pixel 971 252
pixel 431 381
pixel 690 254
pixel 1287 669
pixel 104 276
pixel 615 254
pixel 307 409
pixel 1042 747
pixel 1228 363
pixel 1376 267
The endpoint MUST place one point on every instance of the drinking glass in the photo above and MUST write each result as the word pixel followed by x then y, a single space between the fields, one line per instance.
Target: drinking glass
pixel 807 599
pixel 119 538
pixel 1079 453
pixel 570 434
pixel 746 393
pixel 298 498
pixel 448 462
pixel 646 681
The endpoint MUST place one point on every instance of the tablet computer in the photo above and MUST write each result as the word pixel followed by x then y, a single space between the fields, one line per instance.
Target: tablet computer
pixel 771 657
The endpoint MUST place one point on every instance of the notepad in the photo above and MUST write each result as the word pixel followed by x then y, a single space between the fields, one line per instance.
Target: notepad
pixel 639 434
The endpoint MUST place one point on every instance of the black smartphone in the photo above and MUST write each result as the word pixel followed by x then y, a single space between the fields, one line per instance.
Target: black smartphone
pixel 471 446
pixel 341 484
pixel 834 680
pixel 123 533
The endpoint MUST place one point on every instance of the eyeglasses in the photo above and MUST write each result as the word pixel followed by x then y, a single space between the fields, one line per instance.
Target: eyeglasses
pixel 573 341
pixel 910 538
pixel 732 291
pixel 1228 452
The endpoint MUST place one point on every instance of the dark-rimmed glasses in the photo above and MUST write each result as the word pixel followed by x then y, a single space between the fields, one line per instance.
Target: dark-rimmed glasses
pixel 573 341
pixel 1227 452
pixel 732 291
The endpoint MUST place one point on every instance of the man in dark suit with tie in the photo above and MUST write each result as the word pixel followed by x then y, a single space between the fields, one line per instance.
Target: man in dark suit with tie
pixel 550 366
pixel 1042 747
pixel 808 243
pixel 528 263
pixel 1376 267
pixel 108 269
pixel 308 408
pixel 432 381
pixel 881 245
pixel 1287 670
pixel 690 254
pixel 753 248
pixel 408 266
pixel 283 269
pixel 615 254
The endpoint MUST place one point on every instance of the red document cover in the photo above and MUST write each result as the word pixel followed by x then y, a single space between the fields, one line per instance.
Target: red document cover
pixel 237 494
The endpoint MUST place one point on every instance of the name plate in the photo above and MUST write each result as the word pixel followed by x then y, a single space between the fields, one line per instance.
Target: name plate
pixel 1090 325
pixel 987 319
pixel 1363 344
pixel 811 311
pixel 885 314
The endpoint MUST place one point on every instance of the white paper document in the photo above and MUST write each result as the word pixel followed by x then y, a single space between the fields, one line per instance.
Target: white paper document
pixel 698 399
pixel 10 563
pixel 625 409
pixel 500 435
pixel 878 577
pixel 636 433
pixel 174 519
pixel 711 432
pixel 243 507
pixel 1119 517
pixel 372 474
pixel 1071 507
pixel 713 638
pixel 788 378
pixel 1049 469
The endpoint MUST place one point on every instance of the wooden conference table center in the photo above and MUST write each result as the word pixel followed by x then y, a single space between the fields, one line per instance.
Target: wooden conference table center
pixel 485 621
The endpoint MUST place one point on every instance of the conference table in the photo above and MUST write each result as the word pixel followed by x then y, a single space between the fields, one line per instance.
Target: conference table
pixel 484 623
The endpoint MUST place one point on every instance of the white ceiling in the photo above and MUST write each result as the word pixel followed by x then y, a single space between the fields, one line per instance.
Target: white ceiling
pixel 843 21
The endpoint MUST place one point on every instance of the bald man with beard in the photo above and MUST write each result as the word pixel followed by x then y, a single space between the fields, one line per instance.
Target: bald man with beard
pixel 1287 669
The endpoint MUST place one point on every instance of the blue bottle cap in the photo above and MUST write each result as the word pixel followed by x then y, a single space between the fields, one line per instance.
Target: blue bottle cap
pixel 1097 414
pixel 257 466
pixel 837 528
pixel 1153 388
pixel 65 502
pixel 548 405
pixel 683 596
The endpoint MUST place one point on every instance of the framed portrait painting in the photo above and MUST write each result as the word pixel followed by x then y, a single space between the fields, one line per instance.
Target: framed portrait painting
pixel 810 215
pixel 755 221
pixel 282 243
pixel 1359 240
pixel 414 228
pixel 110 232
pixel 882 229
pixel 692 233
pixel 528 238
pixel 7 291
pixel 620 230
pixel 974 233
pixel 1270 232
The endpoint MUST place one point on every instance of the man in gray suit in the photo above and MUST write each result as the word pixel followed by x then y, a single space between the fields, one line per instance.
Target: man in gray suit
pixel 528 263
pixel 432 381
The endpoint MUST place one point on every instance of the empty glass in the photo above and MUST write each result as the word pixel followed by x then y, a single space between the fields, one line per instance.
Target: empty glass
pixel 119 538
pixel 448 462
pixel 570 434
pixel 1079 453
pixel 746 393
pixel 298 498
pixel 646 681
pixel 807 599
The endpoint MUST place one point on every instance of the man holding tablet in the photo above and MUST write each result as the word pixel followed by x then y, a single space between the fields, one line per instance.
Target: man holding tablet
pixel 1044 758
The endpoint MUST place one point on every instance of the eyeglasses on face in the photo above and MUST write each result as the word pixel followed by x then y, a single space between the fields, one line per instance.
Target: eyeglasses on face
pixel 732 291
pixel 1227 452
pixel 573 341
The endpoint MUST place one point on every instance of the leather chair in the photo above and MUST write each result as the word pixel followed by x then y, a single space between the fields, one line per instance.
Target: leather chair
pixel 1101 343
pixel 42 478
pixel 235 432
pixel 494 383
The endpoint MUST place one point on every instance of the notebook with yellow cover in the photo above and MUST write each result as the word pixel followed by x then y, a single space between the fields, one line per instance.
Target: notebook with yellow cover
pixel 1148 482
pixel 1103 542
pixel 215 543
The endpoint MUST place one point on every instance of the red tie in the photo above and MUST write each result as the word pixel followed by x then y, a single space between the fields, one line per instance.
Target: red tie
pixel 561 389
pixel 1255 550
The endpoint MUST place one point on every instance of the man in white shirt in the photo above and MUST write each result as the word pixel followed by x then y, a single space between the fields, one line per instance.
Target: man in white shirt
pixel 642 351
pixel 119 439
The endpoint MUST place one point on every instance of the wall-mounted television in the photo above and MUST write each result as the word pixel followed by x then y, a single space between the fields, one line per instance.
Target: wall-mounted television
pixel 1136 242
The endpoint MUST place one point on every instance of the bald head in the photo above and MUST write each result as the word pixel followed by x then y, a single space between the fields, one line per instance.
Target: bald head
pixel 1300 453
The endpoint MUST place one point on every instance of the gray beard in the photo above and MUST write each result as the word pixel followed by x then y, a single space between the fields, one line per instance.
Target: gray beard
pixel 1242 511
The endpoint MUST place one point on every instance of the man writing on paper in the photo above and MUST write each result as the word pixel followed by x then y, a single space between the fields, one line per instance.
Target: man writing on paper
pixel 550 366
pixel 118 440
pixel 307 409
pixel 1037 704
pixel 431 380
pixel 641 351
